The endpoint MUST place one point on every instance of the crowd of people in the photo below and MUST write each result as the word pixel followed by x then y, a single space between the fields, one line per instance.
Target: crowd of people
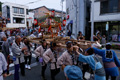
pixel 73 60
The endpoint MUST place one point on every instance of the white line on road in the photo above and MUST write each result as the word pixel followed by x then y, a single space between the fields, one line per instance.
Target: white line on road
pixel 32 65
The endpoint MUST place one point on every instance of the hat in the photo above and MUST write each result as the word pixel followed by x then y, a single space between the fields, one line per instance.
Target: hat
pixel 80 32
pixel 53 44
pixel 87 49
pixel 73 72
pixel 108 44
pixel 69 44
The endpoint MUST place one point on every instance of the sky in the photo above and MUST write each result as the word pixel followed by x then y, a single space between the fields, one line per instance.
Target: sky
pixel 55 4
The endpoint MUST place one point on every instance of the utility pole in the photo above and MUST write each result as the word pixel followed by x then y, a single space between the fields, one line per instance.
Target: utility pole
pixel 92 20
pixel 76 17
pixel 75 5
pixel 62 11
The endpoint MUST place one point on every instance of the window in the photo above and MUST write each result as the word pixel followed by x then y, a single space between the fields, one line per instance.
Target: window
pixel 8 14
pixel 109 6
pixel 21 11
pixel 27 11
pixel 36 11
pixel 104 7
pixel 18 20
pixel 15 10
pixel 18 10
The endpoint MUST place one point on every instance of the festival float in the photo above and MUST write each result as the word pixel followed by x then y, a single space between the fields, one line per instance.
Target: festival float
pixel 49 30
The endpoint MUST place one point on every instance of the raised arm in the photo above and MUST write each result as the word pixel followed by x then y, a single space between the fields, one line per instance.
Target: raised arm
pixel 83 58
pixel 98 51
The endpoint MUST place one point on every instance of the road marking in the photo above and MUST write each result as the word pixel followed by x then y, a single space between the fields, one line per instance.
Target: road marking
pixel 11 65
pixel 32 65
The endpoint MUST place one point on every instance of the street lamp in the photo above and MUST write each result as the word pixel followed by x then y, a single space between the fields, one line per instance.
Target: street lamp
pixel 92 20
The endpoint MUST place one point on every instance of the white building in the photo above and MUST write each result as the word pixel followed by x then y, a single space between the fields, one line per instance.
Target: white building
pixel 30 19
pixel 107 18
pixel 102 15
pixel 16 15
pixel 78 15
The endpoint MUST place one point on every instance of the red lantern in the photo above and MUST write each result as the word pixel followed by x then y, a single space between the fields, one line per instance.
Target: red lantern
pixel 64 22
pixel 67 17
pixel 35 22
pixel 52 13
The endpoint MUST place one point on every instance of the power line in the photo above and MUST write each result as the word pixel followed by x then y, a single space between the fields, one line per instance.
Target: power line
pixel 33 2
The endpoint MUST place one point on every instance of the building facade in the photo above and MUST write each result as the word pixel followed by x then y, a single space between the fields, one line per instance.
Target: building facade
pixel 78 15
pixel 107 18
pixel 41 11
pixel 16 15
pixel 30 19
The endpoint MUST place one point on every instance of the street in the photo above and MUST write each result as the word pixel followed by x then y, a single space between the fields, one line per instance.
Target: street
pixel 66 34
pixel 35 72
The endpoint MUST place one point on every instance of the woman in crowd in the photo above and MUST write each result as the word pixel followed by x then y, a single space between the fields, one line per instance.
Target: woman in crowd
pixel 27 53
pixel 68 57
pixel 110 61
pixel 98 36
pixel 96 44
pixel 51 56
pixel 39 53
pixel 80 36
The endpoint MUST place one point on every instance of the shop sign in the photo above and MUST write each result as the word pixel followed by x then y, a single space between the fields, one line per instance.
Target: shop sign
pixel 107 26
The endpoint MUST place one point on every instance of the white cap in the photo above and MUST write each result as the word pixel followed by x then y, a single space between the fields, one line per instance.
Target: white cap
pixel 108 43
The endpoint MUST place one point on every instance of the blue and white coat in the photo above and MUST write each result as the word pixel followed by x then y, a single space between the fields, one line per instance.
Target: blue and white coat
pixel 111 71
pixel 91 61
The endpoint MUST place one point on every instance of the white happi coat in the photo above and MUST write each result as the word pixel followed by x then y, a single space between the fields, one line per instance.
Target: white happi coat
pixel 50 55
pixel 96 45
pixel 3 65
pixel 17 52
pixel 66 59
pixel 39 52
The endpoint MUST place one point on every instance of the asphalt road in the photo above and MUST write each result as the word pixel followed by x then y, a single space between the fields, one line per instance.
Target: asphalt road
pixel 35 72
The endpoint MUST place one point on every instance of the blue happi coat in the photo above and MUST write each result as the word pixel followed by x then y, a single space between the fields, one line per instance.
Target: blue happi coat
pixel 95 66
pixel 113 71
